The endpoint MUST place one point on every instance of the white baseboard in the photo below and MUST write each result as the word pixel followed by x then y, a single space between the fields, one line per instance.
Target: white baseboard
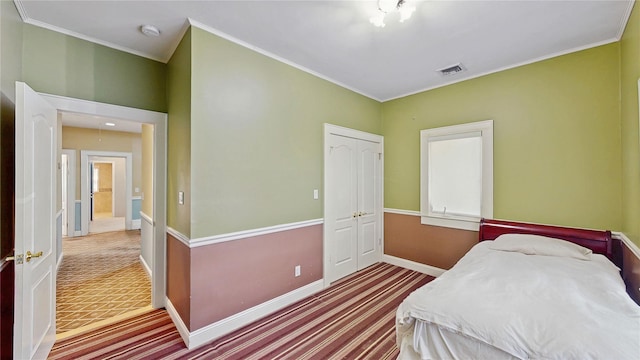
pixel 177 321
pixel 77 233
pixel 412 265
pixel 145 266
pixel 234 322
pixel 136 224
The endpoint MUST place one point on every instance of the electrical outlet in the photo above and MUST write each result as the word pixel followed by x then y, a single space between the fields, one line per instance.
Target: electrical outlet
pixel 315 194
pixel 297 271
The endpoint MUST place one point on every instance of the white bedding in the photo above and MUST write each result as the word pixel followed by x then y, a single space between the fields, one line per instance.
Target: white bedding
pixel 499 304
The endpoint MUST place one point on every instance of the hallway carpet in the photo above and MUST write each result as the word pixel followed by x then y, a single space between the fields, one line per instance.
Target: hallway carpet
pixel 352 319
pixel 100 277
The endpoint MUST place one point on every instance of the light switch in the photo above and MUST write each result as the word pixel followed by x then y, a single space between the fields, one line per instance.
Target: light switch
pixel 137 190
pixel 180 197
pixel 315 194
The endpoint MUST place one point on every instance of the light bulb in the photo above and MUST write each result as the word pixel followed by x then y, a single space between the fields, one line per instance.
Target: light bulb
pixel 378 20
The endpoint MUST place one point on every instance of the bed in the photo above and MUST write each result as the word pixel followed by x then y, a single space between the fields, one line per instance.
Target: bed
pixel 531 292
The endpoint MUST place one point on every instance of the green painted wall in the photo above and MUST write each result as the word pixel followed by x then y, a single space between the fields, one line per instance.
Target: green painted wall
pixel 58 64
pixel 557 153
pixel 257 135
pixel 179 137
pixel 10 48
pixel 629 75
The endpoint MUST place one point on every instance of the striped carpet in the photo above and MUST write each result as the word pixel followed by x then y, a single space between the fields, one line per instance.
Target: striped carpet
pixel 352 319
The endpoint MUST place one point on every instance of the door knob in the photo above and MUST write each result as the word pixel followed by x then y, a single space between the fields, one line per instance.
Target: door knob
pixel 29 255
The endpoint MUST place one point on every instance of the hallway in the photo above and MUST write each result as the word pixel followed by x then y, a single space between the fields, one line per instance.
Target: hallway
pixel 100 277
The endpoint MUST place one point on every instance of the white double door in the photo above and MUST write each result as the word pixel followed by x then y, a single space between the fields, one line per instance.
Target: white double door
pixel 353 203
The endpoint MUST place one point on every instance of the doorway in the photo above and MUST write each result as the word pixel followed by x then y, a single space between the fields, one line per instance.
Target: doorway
pixel 110 203
pixel 156 231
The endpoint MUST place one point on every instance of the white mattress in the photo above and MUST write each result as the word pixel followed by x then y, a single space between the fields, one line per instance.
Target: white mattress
pixel 505 305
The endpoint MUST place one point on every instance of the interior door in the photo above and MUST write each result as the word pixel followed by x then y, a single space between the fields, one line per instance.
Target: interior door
pixel 342 206
pixel 35 280
pixel 369 206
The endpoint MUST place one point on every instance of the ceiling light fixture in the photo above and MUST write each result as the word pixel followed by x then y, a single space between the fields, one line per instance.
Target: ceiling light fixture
pixel 387 6
pixel 150 30
pixel 109 124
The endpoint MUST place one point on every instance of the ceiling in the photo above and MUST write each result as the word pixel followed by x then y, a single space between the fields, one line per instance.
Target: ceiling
pixel 99 122
pixel 334 39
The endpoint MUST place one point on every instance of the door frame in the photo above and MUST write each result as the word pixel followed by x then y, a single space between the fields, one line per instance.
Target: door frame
pixel 159 120
pixel 329 130
pixel 71 192
pixel 85 207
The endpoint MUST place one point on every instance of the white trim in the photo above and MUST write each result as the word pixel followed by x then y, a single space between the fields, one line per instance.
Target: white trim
pixel 402 212
pixel 261 51
pixel 352 133
pixel 63 103
pixel 630 244
pixel 136 224
pixel 178 235
pixel 136 198
pixel 146 218
pixel 209 240
pixel 159 121
pixel 71 191
pixel 177 321
pixel 145 266
pixel 624 20
pixel 239 235
pixel 233 322
pixel 26 19
pixel 412 265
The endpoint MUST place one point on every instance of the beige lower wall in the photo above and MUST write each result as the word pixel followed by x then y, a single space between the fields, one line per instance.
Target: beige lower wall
pixel 179 277
pixel 209 283
pixel 405 237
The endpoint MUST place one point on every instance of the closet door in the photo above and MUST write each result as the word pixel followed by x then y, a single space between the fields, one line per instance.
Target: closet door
pixel 341 204
pixel 353 204
pixel 369 202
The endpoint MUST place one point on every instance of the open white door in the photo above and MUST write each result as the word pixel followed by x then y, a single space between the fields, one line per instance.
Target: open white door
pixel 35 285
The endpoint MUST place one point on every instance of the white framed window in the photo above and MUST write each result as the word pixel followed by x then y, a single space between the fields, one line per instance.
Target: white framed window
pixel 456 175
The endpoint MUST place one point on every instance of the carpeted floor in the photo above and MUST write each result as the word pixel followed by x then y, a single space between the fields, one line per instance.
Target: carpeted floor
pixel 352 319
pixel 100 277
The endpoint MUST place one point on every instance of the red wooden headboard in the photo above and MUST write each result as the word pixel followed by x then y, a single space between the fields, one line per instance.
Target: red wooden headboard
pixel 598 241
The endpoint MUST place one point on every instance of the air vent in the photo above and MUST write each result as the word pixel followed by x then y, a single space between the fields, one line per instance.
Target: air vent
pixel 454 69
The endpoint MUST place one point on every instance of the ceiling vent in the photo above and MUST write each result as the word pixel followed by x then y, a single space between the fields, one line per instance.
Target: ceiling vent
pixel 454 69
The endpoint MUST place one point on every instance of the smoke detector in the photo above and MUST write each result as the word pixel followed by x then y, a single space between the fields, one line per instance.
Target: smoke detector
pixel 150 30
pixel 453 69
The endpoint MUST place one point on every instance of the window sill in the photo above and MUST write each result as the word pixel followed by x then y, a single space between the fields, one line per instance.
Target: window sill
pixel 471 225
